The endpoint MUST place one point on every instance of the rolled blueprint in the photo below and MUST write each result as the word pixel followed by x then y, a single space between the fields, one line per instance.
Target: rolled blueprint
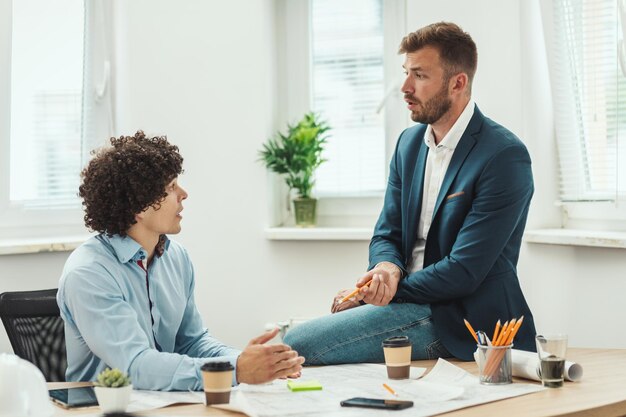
pixel 527 365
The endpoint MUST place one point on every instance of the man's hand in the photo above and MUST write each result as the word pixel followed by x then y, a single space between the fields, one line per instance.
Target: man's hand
pixel 385 277
pixel 260 363
pixel 351 302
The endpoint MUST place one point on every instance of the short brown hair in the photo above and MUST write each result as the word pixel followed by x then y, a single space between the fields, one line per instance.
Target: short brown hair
pixel 126 178
pixel 456 48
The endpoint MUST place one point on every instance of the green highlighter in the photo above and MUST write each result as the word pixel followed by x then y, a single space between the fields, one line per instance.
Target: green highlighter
pixel 310 385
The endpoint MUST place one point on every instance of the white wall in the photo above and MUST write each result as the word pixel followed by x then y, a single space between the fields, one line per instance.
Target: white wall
pixel 204 74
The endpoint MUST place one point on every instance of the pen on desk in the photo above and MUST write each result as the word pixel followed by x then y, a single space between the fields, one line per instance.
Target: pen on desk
pixel 388 388
pixel 471 330
pixel 355 292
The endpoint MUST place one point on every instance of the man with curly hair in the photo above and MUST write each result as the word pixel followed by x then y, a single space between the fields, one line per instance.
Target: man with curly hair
pixel 126 295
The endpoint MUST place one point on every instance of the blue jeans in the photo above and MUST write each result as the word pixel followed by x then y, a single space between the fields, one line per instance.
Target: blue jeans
pixel 356 335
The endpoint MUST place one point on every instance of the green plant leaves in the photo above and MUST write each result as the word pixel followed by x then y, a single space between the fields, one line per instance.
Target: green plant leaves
pixel 298 153
pixel 113 378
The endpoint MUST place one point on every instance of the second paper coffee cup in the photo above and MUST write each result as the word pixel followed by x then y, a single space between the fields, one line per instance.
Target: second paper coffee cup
pixel 217 378
pixel 397 356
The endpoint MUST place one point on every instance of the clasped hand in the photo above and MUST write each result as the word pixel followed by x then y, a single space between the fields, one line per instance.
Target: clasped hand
pixel 384 284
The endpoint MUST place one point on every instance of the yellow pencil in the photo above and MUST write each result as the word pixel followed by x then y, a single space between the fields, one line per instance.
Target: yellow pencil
pixel 506 335
pixel 355 292
pixel 495 332
pixel 388 388
pixel 471 330
pixel 502 330
pixel 514 331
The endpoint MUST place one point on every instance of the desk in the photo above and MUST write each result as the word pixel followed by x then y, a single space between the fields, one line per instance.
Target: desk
pixel 600 393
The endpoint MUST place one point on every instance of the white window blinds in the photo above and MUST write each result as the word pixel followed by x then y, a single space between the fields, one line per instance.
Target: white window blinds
pixel 589 99
pixel 56 116
pixel 347 86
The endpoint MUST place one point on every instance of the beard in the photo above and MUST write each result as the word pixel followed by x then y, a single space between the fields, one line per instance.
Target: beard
pixel 431 111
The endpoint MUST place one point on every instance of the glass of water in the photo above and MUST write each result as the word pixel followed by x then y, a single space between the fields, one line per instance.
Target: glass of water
pixel 552 349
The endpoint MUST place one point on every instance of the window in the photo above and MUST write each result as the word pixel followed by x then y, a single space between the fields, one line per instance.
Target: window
pixel 347 86
pixel 589 83
pixel 339 58
pixel 46 100
pixel 58 107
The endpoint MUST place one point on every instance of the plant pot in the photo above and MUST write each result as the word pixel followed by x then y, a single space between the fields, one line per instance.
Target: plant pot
pixel 113 400
pixel 306 211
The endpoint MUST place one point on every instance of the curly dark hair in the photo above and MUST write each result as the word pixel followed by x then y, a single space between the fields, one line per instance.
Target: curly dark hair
pixel 125 179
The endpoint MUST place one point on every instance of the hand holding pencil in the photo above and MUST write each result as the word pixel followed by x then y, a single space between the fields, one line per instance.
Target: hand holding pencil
pixel 377 287
pixel 346 299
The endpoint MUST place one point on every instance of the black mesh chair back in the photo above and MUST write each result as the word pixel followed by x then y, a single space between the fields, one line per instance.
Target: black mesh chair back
pixel 35 329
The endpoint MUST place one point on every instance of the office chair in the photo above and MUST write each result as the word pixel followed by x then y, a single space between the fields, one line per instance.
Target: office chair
pixel 35 329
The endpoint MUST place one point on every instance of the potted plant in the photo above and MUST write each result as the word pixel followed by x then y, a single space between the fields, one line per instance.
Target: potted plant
pixel 113 390
pixel 296 155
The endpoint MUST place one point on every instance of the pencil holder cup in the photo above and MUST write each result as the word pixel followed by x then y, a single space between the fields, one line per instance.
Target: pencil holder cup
pixel 494 365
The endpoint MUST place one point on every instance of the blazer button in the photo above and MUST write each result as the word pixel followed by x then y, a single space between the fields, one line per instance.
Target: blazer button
pixel 399 300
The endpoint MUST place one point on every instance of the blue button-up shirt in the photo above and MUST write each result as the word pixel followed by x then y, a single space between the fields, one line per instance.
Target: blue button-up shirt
pixel 104 301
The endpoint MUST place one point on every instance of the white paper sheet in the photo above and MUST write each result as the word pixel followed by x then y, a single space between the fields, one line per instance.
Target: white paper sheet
pixel 141 400
pixel 446 388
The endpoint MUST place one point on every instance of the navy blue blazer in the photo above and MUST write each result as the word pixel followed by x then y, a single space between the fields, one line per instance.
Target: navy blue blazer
pixel 472 247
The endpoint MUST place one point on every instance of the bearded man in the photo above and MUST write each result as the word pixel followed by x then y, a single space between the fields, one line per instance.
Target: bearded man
pixel 447 241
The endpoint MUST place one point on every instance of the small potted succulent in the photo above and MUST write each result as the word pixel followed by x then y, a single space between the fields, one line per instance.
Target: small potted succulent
pixel 113 390
pixel 296 155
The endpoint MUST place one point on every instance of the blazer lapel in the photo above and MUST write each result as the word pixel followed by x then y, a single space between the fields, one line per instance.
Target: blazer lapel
pixel 463 148
pixel 415 198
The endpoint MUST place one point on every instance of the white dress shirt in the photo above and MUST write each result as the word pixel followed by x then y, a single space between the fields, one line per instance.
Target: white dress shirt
pixel 437 162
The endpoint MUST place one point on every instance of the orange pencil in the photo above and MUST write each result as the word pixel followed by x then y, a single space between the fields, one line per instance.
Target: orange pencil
pixel 388 388
pixel 495 332
pixel 514 331
pixel 471 330
pixel 502 331
pixel 504 337
pixel 355 292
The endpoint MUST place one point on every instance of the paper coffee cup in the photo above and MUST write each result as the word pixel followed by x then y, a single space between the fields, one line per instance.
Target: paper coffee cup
pixel 397 357
pixel 217 378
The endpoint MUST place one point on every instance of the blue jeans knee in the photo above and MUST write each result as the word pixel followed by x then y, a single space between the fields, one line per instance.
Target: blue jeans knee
pixel 356 335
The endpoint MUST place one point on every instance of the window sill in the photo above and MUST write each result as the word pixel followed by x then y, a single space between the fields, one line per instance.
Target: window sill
pixel 577 237
pixel 567 237
pixel 319 233
pixel 39 245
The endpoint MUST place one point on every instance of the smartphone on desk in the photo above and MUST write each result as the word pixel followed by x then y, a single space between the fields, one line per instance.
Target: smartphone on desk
pixel 376 403
pixel 74 397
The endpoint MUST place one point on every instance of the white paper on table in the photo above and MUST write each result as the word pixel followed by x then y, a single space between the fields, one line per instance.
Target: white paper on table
pixel 141 400
pixel 446 388
pixel 527 365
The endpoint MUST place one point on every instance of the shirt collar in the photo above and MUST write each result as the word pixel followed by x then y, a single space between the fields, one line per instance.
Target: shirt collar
pixel 126 248
pixel 452 138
